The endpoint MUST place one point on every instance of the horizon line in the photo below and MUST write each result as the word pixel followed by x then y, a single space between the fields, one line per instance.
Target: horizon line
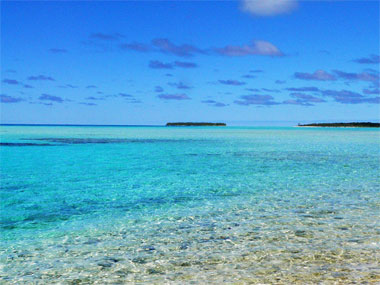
pixel 164 125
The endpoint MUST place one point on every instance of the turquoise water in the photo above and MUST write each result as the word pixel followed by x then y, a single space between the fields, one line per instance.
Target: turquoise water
pixel 188 204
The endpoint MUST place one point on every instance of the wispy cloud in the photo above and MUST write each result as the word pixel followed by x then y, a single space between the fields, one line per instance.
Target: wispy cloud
pixel 257 47
pixel 349 97
pixel 307 98
pixel 41 77
pixel 297 102
pixel 11 81
pixel 371 70
pixel 268 7
pixel 91 86
pixel 125 95
pixel 163 45
pixel 9 99
pixel 156 64
pixel 58 50
pixel 16 82
pixel 363 76
pixel 248 76
pixel 320 75
pixel 134 101
pixel 184 64
pixel 179 85
pixel 374 91
pixel 158 89
pixel 340 96
pixel 303 89
pixel 68 86
pixel 94 98
pixel 47 97
pixel 253 89
pixel 87 104
pixel 184 50
pixel 323 51
pixel 214 103
pixel 135 46
pixel 106 36
pixel 174 97
pixel 270 90
pixel 231 82
pixel 247 100
pixel 304 99
pixel 42 103
pixel 372 59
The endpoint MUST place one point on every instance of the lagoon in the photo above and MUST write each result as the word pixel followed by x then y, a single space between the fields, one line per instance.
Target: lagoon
pixel 189 204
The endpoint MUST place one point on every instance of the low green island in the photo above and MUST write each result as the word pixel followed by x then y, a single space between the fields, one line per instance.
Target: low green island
pixel 347 125
pixel 192 124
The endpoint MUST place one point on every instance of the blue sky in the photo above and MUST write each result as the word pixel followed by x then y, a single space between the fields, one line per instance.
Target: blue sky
pixel 240 62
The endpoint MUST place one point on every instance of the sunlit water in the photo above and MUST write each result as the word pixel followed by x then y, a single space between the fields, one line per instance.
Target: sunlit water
pixel 181 205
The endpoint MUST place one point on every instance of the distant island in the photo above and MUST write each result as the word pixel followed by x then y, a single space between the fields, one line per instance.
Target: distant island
pixel 190 124
pixel 353 124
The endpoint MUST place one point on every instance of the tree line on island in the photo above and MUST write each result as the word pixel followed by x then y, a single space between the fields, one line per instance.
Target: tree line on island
pixel 353 124
pixel 190 124
pixel 207 124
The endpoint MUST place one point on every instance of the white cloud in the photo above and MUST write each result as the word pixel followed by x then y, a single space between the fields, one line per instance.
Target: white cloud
pixel 268 7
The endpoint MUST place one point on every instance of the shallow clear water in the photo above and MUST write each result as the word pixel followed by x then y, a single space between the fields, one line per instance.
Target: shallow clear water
pixel 182 205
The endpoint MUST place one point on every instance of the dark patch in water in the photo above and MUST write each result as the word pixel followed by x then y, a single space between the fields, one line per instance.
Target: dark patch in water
pixel 92 241
pixel 104 140
pixel 304 234
pixel 154 271
pixel 26 144
pixel 105 264
pixel 112 259
pixel 184 245
pixel 343 228
pixel 148 248
pixel 38 217
pixel 8 225
pixel 46 217
pixel 308 216
pixel 13 188
pixel 139 260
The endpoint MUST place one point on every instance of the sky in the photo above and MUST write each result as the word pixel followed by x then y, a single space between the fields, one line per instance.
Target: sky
pixel 151 62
